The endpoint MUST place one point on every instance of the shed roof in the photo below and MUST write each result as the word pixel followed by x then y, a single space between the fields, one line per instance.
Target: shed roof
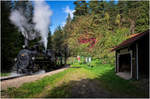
pixel 131 40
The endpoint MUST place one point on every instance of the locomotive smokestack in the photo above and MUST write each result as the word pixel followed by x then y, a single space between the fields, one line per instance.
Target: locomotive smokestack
pixel 26 42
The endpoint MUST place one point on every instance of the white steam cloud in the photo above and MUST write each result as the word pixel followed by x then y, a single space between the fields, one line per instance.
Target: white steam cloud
pixel 21 22
pixel 41 19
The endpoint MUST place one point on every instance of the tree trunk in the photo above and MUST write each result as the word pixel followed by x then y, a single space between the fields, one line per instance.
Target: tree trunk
pixel 132 26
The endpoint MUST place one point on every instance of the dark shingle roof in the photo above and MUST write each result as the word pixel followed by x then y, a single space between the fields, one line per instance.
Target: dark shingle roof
pixel 131 40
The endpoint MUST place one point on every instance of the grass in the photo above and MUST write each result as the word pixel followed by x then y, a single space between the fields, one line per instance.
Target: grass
pixel 4 74
pixel 33 88
pixel 59 85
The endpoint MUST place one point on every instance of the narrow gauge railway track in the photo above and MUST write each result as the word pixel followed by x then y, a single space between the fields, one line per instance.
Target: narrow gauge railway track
pixel 22 75
pixel 12 77
pixel 18 76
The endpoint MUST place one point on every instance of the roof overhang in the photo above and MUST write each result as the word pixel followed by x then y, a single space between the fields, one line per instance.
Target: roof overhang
pixel 130 40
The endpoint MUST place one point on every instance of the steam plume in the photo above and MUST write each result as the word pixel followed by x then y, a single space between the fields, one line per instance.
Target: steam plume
pixel 24 27
pixel 41 19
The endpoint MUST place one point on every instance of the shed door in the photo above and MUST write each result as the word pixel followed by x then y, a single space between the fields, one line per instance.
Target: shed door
pixel 125 63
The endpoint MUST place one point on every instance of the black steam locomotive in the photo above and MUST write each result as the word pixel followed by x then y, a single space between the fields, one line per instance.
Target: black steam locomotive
pixel 31 60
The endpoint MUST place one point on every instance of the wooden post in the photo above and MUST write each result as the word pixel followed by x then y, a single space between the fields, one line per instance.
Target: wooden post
pixel 137 65
pixel 116 61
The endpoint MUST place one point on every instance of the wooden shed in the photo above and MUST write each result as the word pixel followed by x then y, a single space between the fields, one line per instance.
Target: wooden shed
pixel 132 56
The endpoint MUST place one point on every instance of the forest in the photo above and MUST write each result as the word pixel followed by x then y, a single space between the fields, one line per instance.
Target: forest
pixel 96 28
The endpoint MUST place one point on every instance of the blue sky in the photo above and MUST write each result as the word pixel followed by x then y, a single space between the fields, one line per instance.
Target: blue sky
pixel 60 10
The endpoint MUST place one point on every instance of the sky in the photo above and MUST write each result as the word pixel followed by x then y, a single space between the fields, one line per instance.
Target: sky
pixel 60 11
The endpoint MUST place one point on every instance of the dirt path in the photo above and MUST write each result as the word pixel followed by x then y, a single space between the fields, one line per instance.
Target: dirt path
pixel 17 82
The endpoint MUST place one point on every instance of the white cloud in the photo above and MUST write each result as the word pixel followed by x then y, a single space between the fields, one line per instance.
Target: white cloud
pixel 63 24
pixel 69 11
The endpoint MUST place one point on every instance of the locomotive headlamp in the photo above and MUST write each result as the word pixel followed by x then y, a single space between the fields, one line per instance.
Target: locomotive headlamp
pixel 15 59
pixel 33 58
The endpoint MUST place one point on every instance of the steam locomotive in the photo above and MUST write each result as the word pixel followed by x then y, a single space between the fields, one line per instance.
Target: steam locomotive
pixel 29 61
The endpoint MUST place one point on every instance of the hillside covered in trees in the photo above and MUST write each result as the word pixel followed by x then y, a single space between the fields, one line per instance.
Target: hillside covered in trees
pixel 98 26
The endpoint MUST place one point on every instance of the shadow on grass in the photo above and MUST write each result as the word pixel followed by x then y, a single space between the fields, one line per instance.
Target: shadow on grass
pixel 85 88
pixel 122 88
pixel 105 85
pixel 75 67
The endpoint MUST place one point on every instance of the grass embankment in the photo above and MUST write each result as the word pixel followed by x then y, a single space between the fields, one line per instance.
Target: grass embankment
pixel 62 84
pixel 4 74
